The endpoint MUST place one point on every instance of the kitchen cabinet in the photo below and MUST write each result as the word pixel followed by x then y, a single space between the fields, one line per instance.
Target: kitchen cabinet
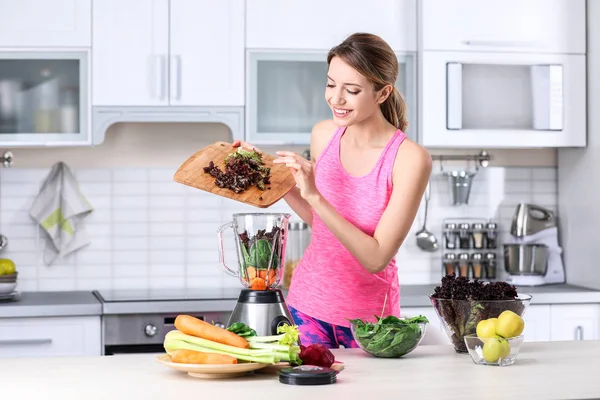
pixel 45 97
pixel 45 23
pixel 285 94
pixel 314 24
pixel 131 52
pixel 575 322
pixel 537 323
pixel 168 52
pixel 50 337
pixel 532 26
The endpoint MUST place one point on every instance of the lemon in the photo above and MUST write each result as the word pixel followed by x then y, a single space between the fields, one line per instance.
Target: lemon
pixel 509 324
pixel 7 267
pixel 486 328
pixel 494 349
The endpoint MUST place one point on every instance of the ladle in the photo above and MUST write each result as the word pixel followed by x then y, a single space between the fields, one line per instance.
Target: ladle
pixel 426 240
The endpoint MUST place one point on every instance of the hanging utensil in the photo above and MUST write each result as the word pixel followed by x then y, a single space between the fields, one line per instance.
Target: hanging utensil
pixel 426 240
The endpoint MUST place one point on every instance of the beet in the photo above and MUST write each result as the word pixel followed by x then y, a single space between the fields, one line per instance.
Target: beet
pixel 316 354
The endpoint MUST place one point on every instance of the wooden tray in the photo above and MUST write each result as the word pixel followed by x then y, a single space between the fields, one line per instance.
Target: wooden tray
pixel 191 173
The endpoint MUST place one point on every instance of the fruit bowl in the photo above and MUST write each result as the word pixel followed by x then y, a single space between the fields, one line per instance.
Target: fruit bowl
pixel 496 351
pixel 388 339
pixel 460 317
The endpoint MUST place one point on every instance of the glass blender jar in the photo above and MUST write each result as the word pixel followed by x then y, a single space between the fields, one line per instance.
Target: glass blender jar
pixel 261 247
pixel 260 240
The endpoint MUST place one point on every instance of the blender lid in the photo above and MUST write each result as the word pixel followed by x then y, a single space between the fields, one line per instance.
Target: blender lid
pixel 308 375
pixel 260 296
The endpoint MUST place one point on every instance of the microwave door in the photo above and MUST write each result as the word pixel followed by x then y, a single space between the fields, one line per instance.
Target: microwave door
pixel 547 97
pixel 454 99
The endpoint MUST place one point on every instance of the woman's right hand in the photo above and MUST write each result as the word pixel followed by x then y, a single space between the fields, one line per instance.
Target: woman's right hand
pixel 241 143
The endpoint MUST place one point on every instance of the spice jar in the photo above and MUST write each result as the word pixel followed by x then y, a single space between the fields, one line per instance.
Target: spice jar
pixel 464 239
pixel 298 239
pixel 477 234
pixel 463 264
pixel 491 237
pixel 450 235
pixel 476 265
pixel 450 266
pixel 490 268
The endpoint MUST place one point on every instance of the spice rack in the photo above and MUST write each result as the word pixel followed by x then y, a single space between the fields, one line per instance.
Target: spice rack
pixel 470 248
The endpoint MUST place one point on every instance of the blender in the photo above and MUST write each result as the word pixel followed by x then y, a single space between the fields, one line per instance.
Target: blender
pixel 260 240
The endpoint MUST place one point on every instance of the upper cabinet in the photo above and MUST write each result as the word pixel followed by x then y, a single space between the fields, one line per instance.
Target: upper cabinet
pixel 45 23
pixel 531 26
pixel 168 52
pixel 45 72
pixel 131 52
pixel 320 25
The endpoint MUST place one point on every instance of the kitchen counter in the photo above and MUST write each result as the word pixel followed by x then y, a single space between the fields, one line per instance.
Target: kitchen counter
pixel 550 370
pixel 51 304
pixel 418 295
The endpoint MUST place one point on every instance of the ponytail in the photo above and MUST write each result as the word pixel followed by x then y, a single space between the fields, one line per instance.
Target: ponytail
pixel 394 110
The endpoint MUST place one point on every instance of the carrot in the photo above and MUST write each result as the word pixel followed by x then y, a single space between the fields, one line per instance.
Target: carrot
pixel 185 356
pixel 258 284
pixel 196 327
pixel 263 274
pixel 251 271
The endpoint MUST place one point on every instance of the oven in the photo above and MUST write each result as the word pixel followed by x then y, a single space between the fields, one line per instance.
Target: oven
pixel 145 333
pixel 137 322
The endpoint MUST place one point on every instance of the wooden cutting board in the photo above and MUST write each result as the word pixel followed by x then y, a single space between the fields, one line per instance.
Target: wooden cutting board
pixel 191 173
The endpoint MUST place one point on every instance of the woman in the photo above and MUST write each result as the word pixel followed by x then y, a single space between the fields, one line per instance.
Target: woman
pixel 360 194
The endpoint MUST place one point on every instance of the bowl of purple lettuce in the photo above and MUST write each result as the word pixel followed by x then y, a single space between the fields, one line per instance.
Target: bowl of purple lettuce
pixel 461 304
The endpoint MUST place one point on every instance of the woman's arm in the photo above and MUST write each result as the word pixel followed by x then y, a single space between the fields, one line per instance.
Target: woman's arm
pixel 299 205
pixel 320 136
pixel 411 174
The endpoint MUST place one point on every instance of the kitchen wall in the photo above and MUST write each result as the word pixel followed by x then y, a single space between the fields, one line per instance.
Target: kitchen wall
pixel 149 232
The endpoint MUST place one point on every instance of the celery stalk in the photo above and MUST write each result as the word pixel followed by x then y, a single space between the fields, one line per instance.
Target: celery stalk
pixel 175 344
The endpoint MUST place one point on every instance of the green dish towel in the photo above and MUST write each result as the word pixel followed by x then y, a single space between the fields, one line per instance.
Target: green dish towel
pixel 59 209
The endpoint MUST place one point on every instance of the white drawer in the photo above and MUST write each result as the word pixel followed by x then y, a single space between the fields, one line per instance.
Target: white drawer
pixel 54 336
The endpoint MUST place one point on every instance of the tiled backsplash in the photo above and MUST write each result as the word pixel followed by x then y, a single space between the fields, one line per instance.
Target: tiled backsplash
pixel 149 232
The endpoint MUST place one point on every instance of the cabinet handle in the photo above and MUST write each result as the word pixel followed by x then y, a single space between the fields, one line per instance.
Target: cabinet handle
pixel 160 76
pixel 579 333
pixel 454 96
pixel 13 342
pixel 493 43
pixel 176 77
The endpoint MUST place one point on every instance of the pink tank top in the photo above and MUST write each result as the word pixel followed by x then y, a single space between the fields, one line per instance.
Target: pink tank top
pixel 329 283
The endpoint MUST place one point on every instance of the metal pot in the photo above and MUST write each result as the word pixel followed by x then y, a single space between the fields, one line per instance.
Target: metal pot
pixel 460 186
pixel 526 259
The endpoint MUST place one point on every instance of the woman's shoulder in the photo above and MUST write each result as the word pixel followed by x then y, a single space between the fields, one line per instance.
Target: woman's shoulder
pixel 412 155
pixel 321 134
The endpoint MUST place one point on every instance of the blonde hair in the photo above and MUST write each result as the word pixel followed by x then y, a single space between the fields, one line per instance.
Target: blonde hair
pixel 373 58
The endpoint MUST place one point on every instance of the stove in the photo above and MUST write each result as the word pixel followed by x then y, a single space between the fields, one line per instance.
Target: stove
pixel 136 321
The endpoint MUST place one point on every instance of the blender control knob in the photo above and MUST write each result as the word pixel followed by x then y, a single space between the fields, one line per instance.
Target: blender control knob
pixel 150 330
pixel 277 322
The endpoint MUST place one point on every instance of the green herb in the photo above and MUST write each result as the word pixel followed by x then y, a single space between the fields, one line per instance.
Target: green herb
pixel 390 336
pixel 241 329
pixel 260 254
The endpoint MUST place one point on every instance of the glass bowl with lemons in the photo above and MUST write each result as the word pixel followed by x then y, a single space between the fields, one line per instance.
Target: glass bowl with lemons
pixel 497 341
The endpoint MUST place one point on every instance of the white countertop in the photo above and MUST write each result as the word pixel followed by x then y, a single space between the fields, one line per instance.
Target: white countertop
pixel 548 370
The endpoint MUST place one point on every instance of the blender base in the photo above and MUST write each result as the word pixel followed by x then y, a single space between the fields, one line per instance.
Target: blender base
pixel 262 310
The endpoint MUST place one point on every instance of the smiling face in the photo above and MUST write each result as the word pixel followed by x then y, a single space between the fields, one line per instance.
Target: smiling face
pixel 350 95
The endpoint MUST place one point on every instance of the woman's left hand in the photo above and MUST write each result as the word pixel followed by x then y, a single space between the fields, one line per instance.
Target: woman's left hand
pixel 302 171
